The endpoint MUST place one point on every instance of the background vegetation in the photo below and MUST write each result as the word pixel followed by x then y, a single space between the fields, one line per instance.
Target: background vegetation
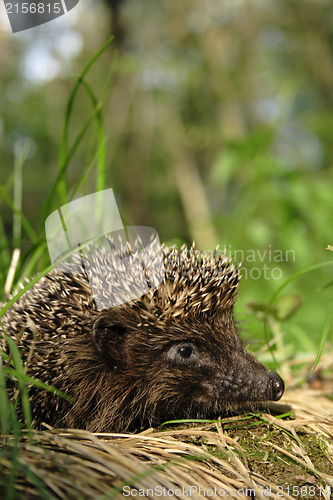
pixel 218 127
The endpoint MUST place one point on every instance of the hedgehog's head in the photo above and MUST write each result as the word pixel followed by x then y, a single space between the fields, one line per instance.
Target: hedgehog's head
pixel 177 347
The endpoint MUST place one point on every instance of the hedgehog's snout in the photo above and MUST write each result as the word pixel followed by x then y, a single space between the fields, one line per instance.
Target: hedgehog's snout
pixel 275 387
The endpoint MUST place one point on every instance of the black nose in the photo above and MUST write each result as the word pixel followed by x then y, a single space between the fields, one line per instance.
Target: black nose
pixel 275 386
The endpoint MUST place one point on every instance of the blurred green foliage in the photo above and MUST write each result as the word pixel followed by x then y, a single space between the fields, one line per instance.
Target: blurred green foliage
pixel 218 127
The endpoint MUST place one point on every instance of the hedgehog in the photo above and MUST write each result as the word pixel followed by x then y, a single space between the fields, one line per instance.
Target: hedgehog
pixel 172 353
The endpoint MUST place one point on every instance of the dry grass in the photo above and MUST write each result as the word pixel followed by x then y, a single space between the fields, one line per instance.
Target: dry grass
pixel 262 453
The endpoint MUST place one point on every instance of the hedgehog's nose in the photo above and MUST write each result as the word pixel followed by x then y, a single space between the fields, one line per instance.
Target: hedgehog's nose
pixel 275 386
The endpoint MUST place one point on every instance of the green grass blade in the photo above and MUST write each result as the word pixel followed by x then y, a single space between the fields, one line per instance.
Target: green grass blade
pixel 84 176
pixel 25 223
pixel 21 154
pixel 60 184
pixel 4 402
pixel 20 375
pixel 323 338
pixel 11 373
pixel 30 259
pixel 101 154
pixel 4 251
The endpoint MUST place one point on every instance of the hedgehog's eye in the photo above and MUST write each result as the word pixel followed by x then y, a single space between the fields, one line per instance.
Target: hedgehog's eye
pixel 185 351
pixel 183 354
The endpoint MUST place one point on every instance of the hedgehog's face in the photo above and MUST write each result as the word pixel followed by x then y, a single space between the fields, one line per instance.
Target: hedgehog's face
pixel 187 369
pixel 209 372
pixel 218 377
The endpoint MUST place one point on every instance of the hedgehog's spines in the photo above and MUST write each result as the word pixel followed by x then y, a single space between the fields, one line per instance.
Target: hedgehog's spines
pixel 195 283
pixel 122 365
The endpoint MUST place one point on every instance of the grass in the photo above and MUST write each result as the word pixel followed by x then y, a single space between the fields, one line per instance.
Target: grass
pixel 275 457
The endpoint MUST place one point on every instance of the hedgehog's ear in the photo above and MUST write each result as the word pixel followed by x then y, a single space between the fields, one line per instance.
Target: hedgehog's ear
pixel 107 335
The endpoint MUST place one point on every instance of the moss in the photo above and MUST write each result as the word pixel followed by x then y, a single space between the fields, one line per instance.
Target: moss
pixel 279 468
pixel 256 438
